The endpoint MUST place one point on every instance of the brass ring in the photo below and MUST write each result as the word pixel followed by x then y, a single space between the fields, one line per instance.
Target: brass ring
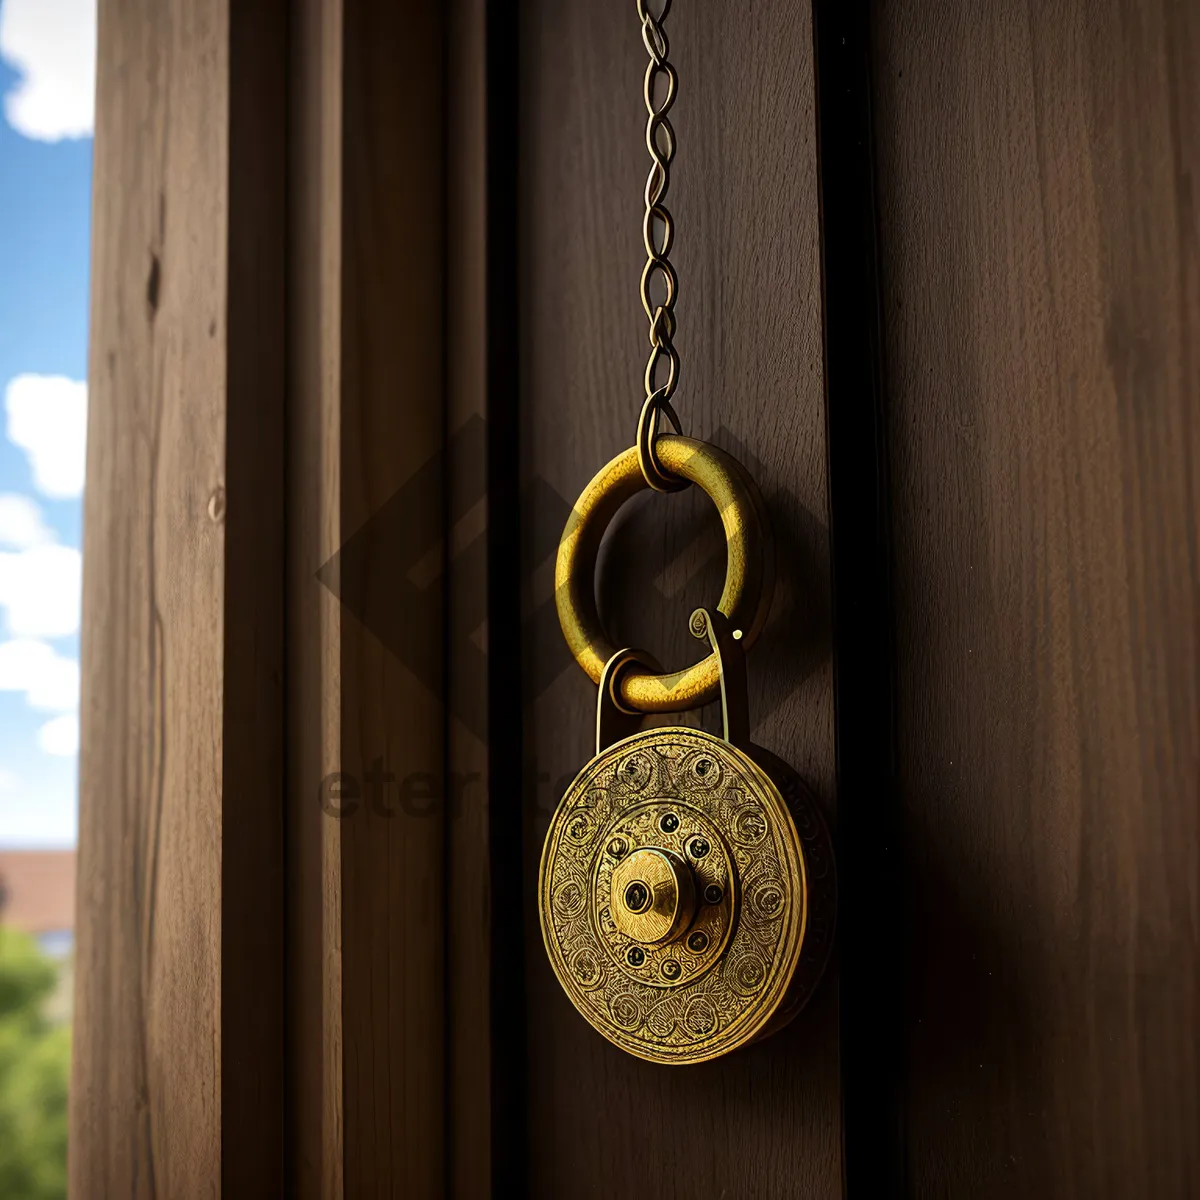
pixel 749 569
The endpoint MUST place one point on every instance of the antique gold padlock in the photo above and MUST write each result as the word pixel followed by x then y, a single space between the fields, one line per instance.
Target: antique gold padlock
pixel 687 888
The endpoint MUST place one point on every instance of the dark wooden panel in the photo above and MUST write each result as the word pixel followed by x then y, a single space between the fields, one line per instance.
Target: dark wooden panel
pixel 469 1152
pixel 1039 232
pixel 177 1073
pixel 252 833
pixel 366 720
pixel 392 416
pixel 766 1121
pixel 315 1116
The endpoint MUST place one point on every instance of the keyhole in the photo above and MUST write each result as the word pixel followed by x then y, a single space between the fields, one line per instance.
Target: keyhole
pixel 637 897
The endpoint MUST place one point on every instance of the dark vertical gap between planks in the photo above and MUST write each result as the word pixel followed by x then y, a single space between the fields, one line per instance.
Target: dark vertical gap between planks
pixel 447 649
pixel 505 693
pixel 872 958
pixel 252 825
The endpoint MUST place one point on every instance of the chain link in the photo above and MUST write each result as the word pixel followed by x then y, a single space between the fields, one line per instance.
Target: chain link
pixel 660 142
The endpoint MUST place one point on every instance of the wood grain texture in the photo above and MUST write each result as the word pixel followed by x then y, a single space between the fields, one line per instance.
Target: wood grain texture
pixel 764 1122
pixel 1037 172
pixel 390 896
pixel 392 417
pixel 468 957
pixel 178 940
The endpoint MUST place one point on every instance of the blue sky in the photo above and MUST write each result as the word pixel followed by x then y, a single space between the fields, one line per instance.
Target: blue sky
pixel 47 50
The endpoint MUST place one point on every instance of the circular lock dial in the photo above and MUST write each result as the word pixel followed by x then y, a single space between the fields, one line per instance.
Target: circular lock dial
pixel 677 895
pixel 652 896
pixel 665 952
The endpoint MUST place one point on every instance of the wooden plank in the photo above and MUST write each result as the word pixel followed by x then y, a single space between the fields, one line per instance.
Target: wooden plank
pixel 392 419
pixel 1038 222
pixel 474 1153
pixel 178 949
pixel 315 1108
pixel 367 897
pixel 744 194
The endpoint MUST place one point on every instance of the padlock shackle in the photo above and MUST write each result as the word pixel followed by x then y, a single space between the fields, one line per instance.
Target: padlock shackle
pixel 614 721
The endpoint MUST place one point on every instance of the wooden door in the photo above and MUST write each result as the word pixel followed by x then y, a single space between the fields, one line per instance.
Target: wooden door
pixel 366 320
pixel 1041 301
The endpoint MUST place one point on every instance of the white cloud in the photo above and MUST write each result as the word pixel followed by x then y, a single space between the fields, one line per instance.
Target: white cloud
pixel 52 46
pixel 21 523
pixel 49 680
pixel 47 418
pixel 60 736
pixel 40 591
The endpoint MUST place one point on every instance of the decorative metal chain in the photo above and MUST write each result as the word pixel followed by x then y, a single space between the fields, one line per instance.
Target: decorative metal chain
pixel 660 142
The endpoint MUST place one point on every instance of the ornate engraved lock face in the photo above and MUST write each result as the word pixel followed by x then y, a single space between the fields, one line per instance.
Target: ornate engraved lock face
pixel 687 889
pixel 685 909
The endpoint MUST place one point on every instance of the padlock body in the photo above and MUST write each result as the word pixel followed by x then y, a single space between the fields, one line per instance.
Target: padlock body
pixel 686 894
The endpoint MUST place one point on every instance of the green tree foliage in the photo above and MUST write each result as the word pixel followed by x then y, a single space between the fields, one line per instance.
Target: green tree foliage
pixel 34 1066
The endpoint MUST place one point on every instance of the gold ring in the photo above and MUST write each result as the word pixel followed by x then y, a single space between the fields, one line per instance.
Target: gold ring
pixel 749 568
